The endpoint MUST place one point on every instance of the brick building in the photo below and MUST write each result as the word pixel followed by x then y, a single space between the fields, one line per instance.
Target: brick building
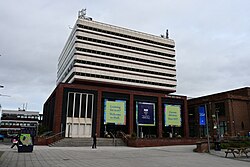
pixel 115 79
pixel 229 111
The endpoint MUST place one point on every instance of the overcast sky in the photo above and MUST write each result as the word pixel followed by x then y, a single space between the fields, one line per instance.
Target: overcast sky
pixel 212 42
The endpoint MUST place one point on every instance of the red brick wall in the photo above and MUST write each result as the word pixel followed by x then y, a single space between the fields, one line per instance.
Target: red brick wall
pixel 104 88
pixel 241 115
pixel 237 109
pixel 58 109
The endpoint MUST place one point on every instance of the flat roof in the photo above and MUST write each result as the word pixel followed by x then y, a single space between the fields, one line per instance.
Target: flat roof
pixel 17 112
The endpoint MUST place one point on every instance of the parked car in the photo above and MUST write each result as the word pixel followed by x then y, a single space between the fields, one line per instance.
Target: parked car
pixel 1 137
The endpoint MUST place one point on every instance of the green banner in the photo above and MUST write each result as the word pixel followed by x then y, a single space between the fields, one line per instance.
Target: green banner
pixel 172 115
pixel 115 112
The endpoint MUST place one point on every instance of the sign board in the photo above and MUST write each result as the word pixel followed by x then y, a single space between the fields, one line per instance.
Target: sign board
pixel 145 113
pixel 172 115
pixel 202 115
pixel 115 112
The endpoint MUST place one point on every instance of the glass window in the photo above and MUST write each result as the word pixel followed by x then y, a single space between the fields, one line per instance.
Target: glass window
pixel 77 105
pixel 90 106
pixel 70 104
pixel 223 127
pixel 83 106
pixel 220 107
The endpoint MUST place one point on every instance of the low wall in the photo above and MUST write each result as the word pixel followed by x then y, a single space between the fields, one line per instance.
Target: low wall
pixel 40 141
pixel 160 142
pixel 201 146
pixel 46 141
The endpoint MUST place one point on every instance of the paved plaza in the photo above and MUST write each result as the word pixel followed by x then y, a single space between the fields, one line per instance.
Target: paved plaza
pixel 168 156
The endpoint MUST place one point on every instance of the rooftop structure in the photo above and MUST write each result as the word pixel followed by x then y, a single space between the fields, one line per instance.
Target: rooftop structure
pixel 100 52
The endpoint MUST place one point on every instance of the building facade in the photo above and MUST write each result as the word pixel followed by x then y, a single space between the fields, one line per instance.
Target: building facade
pixel 13 122
pixel 228 113
pixel 104 53
pixel 115 79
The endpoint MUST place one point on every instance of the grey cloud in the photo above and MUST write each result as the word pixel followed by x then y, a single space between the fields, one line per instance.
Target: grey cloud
pixel 212 41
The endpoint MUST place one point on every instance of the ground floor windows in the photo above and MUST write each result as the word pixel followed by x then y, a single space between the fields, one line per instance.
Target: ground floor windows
pixel 86 112
pixel 80 105
pixel 223 128
pixel 79 114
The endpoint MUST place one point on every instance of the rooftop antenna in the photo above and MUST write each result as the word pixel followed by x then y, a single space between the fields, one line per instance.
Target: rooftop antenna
pixel 167 33
pixel 82 13
pixel 23 107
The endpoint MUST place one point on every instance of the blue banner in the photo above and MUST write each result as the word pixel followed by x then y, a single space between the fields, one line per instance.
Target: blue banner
pixel 202 115
pixel 145 114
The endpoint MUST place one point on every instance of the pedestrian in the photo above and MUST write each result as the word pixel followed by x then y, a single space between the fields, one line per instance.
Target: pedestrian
pixel 14 141
pixel 94 141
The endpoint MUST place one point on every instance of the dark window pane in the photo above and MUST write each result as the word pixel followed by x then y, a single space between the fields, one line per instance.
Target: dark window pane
pixel 220 108
pixel 83 106
pixel 70 104
pixel 89 109
pixel 77 105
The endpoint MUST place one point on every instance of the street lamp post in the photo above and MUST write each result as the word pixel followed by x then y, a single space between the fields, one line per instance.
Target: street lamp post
pixel 208 140
pixel 217 139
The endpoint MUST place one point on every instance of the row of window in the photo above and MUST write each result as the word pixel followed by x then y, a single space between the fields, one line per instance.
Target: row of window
pixel 123 46
pixel 124 35
pixel 80 105
pixel 219 107
pixel 17 124
pixel 20 116
pixel 120 79
pixel 125 57
pixel 125 68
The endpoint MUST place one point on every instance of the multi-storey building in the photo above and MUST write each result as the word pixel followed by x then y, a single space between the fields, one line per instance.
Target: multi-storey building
pixel 104 53
pixel 103 66
pixel 13 122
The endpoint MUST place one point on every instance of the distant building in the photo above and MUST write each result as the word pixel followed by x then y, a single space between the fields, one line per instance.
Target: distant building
pixel 228 111
pixel 13 122
pixel 112 79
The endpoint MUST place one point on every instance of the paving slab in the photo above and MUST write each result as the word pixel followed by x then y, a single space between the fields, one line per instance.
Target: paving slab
pixel 167 156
